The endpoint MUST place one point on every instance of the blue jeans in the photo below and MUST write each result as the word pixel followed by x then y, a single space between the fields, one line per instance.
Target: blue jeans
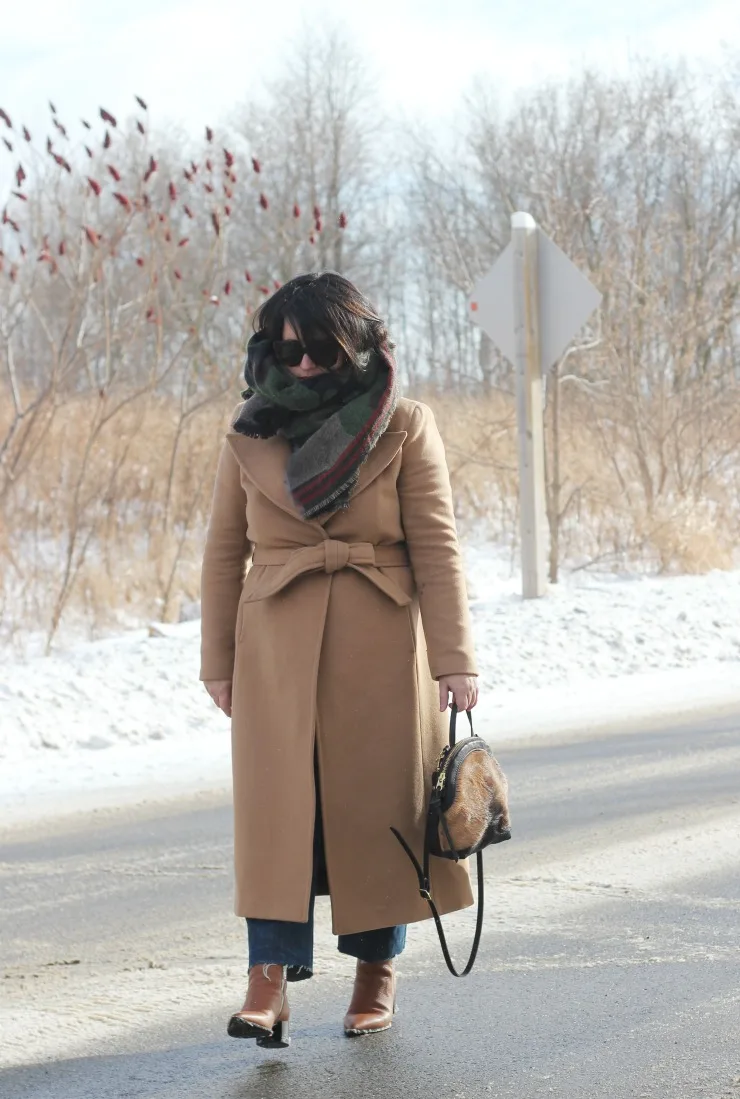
pixel 282 942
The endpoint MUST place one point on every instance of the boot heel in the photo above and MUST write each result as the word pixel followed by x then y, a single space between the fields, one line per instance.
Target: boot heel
pixel 279 1039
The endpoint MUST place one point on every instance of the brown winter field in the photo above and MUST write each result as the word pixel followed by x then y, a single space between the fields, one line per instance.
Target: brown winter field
pixel 104 520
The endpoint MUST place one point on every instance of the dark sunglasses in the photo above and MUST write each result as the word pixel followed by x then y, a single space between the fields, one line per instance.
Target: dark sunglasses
pixel 324 353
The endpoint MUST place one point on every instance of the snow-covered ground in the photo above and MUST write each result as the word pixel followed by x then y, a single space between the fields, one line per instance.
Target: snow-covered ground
pixel 126 718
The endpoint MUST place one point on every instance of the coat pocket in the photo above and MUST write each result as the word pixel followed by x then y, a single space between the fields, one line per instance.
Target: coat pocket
pixel 250 592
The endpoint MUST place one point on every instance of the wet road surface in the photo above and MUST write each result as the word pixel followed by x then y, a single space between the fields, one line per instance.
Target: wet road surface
pixel 610 963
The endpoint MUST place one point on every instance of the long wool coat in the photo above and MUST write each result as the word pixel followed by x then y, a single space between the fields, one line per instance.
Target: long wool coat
pixel 334 637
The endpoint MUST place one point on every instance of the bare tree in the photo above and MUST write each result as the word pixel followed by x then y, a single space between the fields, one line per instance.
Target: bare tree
pixel 328 145
pixel 121 304
pixel 637 179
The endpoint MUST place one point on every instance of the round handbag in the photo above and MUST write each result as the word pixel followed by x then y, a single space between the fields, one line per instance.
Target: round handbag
pixel 468 810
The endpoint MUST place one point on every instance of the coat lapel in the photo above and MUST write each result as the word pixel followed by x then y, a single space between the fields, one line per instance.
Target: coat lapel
pixel 264 462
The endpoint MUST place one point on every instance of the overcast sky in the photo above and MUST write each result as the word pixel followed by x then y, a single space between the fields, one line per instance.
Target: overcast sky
pixel 194 60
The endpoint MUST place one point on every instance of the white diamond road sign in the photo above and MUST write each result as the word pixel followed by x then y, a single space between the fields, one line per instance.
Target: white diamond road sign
pixel 567 300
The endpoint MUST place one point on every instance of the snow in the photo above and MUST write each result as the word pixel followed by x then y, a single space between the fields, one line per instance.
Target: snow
pixel 597 626
pixel 125 718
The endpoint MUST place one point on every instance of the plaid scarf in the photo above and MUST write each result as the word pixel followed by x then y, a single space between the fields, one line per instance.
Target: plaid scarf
pixel 332 422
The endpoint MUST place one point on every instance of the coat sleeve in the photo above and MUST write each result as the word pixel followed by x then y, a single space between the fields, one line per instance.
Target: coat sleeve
pixel 227 551
pixel 428 521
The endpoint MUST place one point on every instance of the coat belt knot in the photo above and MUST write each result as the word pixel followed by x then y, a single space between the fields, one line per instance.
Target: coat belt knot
pixel 330 556
pixel 337 555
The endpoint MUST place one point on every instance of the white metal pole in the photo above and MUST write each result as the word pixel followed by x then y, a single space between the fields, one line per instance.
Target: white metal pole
pixel 530 421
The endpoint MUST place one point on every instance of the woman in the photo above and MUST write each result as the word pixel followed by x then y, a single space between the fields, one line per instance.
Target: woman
pixel 325 654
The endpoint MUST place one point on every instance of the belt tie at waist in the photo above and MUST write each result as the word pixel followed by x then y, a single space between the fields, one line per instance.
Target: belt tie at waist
pixel 329 556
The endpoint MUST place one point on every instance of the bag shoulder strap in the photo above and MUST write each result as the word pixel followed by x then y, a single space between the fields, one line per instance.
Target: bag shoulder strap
pixel 435 817
pixel 424 890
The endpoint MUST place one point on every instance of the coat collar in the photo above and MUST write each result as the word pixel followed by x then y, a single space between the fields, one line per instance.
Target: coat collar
pixel 264 462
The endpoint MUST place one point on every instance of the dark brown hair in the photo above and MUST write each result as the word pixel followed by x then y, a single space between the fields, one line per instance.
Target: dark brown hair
pixel 325 304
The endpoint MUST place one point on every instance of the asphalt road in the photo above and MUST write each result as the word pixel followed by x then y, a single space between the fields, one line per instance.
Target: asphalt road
pixel 610 963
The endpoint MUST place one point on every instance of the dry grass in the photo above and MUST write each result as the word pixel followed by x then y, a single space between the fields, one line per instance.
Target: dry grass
pixel 607 520
pixel 105 527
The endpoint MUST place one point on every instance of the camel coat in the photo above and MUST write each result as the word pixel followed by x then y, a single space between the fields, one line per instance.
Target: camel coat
pixel 334 637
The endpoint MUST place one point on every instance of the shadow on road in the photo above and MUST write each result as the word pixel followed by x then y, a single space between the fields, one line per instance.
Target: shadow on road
pixel 513 1035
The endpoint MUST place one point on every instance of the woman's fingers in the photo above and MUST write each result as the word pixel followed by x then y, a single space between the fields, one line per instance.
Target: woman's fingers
pixel 220 692
pixel 464 698
pixel 464 690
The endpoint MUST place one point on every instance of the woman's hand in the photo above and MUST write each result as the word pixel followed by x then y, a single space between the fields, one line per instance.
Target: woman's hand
pixel 220 692
pixel 464 690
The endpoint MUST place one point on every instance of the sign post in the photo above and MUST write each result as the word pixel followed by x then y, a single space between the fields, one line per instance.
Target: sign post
pixel 531 303
pixel 530 421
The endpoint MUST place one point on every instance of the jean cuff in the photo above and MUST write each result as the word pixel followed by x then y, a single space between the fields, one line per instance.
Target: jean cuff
pixel 292 972
pixel 299 973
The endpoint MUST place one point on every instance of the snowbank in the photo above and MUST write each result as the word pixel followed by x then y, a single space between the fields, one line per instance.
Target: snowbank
pixel 598 626
pixel 126 719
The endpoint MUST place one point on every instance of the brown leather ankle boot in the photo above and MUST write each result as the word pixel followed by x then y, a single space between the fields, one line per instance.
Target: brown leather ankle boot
pixel 265 1015
pixel 373 1000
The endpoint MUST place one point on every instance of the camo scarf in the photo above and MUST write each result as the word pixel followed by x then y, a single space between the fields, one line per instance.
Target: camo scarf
pixel 332 422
